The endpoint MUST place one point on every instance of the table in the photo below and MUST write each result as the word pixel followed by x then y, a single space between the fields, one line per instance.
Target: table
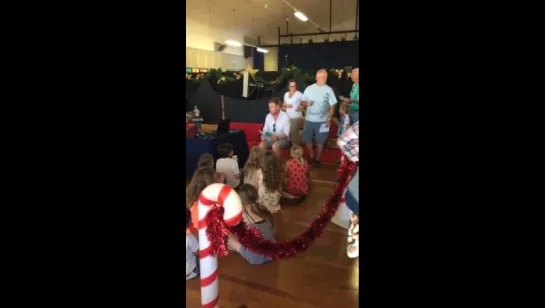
pixel 196 146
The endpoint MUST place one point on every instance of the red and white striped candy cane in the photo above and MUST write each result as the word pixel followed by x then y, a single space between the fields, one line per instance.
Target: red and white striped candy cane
pixel 226 197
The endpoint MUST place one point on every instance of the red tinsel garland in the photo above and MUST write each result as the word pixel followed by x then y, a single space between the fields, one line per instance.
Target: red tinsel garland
pixel 250 237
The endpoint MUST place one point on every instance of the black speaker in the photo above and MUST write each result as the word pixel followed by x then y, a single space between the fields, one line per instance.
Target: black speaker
pixel 248 52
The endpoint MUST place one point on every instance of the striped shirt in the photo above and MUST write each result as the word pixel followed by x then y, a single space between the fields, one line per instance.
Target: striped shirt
pixel 268 233
pixel 349 142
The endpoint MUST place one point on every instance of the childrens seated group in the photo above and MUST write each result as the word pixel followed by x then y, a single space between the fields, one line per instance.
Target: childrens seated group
pixel 265 186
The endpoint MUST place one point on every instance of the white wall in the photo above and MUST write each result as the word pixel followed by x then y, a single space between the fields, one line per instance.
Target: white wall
pixel 214 59
pixel 200 38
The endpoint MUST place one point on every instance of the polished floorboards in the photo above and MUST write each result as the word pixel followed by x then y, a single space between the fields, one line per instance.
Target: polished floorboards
pixel 321 277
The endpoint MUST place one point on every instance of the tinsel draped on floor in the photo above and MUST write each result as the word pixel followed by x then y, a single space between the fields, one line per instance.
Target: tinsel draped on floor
pixel 250 237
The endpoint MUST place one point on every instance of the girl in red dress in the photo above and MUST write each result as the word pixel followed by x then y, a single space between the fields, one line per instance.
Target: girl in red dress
pixel 297 173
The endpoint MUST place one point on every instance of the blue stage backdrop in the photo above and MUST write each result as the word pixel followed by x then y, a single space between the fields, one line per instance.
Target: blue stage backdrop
pixel 246 111
pixel 208 101
pixel 315 56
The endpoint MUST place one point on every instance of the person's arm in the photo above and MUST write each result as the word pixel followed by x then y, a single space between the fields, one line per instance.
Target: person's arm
pixel 286 170
pixel 286 130
pixel 346 122
pixel 265 128
pixel 236 171
pixel 259 176
pixel 221 177
pixel 296 100
pixel 357 100
pixel 193 244
pixel 332 103
pixel 305 100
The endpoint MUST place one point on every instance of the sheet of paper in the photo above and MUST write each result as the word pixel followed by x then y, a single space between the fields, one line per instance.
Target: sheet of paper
pixel 324 129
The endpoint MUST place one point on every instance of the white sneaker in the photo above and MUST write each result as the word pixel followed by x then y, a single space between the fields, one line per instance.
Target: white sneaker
pixel 352 247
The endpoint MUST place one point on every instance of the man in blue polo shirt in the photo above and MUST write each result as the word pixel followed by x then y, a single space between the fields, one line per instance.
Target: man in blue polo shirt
pixel 320 100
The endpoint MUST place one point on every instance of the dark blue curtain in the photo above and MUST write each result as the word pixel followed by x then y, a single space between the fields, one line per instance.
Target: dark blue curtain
pixel 246 111
pixel 320 55
pixel 259 61
pixel 208 101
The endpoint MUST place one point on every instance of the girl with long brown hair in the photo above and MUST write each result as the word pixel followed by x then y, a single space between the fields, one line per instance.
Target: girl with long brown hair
pixel 207 160
pixel 200 180
pixel 252 166
pixel 269 182
pixel 254 216
pixel 269 179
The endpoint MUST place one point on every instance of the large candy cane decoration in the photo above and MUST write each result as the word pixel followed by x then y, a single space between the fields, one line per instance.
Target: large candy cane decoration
pixel 222 195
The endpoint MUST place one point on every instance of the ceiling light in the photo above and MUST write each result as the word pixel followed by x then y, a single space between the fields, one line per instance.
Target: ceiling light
pixel 233 43
pixel 262 50
pixel 300 16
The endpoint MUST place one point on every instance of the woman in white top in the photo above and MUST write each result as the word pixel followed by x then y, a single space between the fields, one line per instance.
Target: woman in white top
pixel 292 99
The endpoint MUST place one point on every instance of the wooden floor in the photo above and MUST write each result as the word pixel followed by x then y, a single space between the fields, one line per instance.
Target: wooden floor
pixel 322 277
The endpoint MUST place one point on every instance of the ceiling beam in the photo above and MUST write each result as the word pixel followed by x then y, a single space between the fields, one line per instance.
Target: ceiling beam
pixel 300 42
pixel 357 14
pixel 330 13
pixel 319 33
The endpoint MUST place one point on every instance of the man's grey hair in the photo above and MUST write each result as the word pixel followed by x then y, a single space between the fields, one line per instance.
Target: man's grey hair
pixel 321 71
pixel 357 70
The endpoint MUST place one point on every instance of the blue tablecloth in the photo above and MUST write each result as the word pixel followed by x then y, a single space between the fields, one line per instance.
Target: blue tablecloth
pixel 197 146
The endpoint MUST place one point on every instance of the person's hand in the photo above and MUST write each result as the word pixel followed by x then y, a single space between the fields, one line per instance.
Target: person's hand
pixel 261 134
pixel 289 106
pixel 299 108
pixel 232 242
pixel 327 123
pixel 309 103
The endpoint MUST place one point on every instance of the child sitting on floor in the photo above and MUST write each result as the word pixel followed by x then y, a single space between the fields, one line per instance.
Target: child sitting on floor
pixel 296 172
pixel 207 160
pixel 228 165
pixel 269 184
pixel 191 250
pixel 252 165
pixel 254 216
pixel 200 180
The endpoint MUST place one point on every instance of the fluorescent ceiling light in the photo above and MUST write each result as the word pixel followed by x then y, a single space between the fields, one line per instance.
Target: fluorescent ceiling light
pixel 262 50
pixel 300 16
pixel 233 43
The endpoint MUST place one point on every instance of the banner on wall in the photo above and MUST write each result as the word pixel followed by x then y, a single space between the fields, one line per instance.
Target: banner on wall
pixel 190 70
